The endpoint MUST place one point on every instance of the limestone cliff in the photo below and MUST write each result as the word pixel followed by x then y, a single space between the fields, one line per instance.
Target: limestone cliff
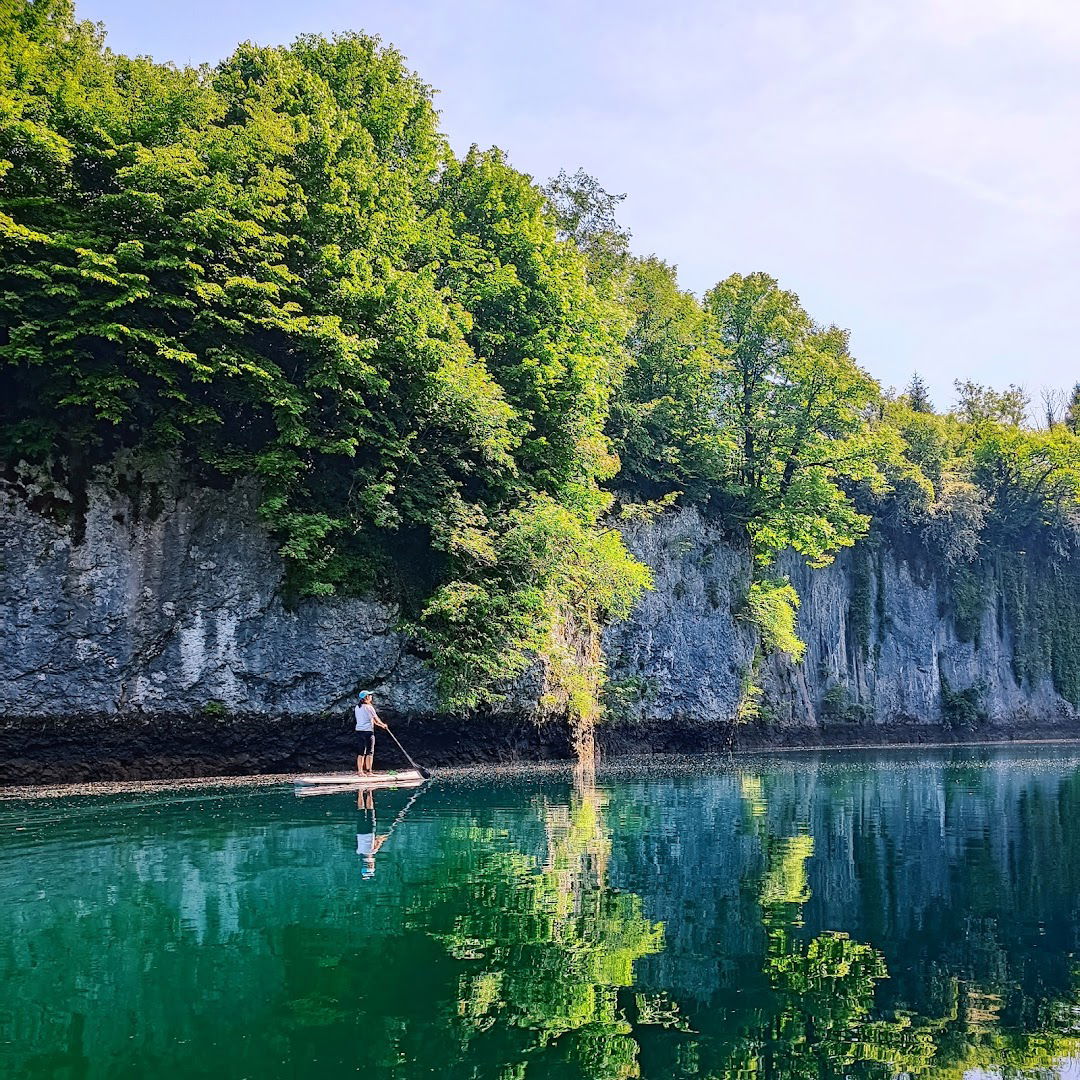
pixel 882 646
pixel 169 599
pixel 165 600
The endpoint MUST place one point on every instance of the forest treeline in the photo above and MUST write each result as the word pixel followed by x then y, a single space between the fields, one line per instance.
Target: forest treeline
pixel 452 383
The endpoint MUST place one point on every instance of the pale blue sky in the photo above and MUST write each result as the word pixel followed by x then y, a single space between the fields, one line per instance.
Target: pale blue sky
pixel 910 167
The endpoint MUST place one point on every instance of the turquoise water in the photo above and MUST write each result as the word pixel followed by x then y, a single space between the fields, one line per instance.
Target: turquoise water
pixel 839 915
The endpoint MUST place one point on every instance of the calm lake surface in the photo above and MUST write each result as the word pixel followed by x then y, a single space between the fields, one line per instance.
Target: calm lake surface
pixel 814 915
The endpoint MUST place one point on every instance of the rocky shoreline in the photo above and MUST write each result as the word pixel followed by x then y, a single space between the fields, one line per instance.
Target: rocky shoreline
pixel 54 751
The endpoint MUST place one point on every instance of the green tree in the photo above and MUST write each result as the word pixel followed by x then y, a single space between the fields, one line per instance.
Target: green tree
pixel 798 410
pixel 771 605
pixel 798 414
pixel 585 214
pixel 1030 479
pixel 663 421
pixel 1072 412
pixel 549 582
pixel 918 395
pixel 547 572
pixel 978 404
pixel 550 342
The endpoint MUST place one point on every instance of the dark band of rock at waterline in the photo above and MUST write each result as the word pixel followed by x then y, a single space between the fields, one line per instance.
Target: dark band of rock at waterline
pixel 51 751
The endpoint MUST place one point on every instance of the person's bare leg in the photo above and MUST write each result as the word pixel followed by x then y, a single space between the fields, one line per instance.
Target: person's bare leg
pixel 359 763
pixel 369 761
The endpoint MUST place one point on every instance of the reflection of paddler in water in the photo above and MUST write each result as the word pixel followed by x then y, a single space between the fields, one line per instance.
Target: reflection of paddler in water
pixel 368 840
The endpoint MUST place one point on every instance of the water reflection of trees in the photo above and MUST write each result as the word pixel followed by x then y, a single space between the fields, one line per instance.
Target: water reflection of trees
pixel 549 950
pixel 812 1014
pixel 495 943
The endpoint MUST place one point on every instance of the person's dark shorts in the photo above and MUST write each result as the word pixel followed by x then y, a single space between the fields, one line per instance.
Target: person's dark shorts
pixel 365 743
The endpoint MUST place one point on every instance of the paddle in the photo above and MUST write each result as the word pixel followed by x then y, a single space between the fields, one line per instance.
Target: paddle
pixel 423 772
pixel 404 810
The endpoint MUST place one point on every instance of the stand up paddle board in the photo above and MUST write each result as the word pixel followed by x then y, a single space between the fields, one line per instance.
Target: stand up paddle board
pixel 388 778
pixel 304 791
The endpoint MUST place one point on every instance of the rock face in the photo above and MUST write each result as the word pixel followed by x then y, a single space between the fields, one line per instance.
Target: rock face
pixel 910 660
pixel 882 651
pixel 172 606
pixel 683 655
pixel 178 612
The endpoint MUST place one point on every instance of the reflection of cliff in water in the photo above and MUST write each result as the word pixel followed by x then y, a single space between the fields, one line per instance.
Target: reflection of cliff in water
pixel 957 884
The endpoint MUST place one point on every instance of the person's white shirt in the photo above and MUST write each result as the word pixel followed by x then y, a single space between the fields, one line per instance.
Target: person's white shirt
pixel 365 717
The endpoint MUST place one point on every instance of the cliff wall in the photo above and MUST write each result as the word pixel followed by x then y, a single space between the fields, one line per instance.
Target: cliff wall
pixel 161 604
pixel 168 599
pixel 883 650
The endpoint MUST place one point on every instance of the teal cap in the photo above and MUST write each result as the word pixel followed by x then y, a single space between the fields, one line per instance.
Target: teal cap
pixel 364 694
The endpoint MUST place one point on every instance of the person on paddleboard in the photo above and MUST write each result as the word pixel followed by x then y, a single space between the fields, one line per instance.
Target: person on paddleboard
pixel 367 720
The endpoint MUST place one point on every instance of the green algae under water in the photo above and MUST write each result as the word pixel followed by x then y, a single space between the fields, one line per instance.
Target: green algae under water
pixel 809 915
